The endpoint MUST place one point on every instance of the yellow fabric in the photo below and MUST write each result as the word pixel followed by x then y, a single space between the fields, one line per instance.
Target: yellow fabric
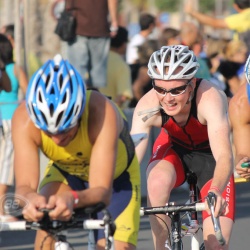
pixel 118 77
pixel 75 158
pixel 127 222
pixel 239 22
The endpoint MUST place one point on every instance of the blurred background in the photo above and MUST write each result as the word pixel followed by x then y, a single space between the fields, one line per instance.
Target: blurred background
pixel 35 21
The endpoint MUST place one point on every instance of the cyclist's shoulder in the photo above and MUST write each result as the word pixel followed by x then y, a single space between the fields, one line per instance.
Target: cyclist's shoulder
pixel 147 110
pixel 208 94
pixel 20 112
pixel 22 126
pixel 239 105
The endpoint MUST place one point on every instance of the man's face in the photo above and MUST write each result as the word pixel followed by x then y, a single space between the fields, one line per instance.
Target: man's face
pixel 64 138
pixel 173 94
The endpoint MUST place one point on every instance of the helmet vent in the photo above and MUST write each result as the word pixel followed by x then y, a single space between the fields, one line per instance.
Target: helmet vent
pixel 76 111
pixel 52 91
pixel 190 71
pixel 70 114
pixel 64 98
pixel 59 117
pixel 51 109
pixel 60 81
pixel 39 96
pixel 47 80
pixel 44 118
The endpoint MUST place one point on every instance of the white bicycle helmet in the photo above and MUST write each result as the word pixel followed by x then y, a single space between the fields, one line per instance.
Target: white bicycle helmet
pixel 173 62
pixel 56 96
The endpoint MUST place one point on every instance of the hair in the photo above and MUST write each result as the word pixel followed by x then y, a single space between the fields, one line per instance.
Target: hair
pixel 146 20
pixel 146 50
pixel 6 49
pixel 215 45
pixel 120 38
pixel 167 34
pixel 242 4
pixel 9 30
pixel 233 47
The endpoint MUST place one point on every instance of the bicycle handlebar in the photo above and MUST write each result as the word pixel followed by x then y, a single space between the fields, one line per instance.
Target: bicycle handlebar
pixel 172 208
pixel 55 225
pixel 211 200
pixel 193 207
pixel 79 220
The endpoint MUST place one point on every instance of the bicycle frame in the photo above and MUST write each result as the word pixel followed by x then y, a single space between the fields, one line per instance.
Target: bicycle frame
pixel 178 231
pixel 193 227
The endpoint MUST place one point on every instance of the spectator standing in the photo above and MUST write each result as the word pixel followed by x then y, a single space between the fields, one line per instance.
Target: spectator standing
pixel 239 22
pixel 89 51
pixel 119 84
pixel 239 114
pixel 33 61
pixel 9 102
pixel 147 25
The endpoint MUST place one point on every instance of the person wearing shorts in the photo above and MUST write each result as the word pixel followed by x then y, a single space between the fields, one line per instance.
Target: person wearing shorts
pixel 92 155
pixel 194 138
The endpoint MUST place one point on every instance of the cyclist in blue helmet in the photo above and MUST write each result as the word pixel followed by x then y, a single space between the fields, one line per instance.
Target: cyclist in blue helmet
pixel 92 156
pixel 56 96
pixel 239 113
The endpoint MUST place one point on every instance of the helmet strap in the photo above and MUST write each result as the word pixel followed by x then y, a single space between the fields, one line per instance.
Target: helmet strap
pixel 191 95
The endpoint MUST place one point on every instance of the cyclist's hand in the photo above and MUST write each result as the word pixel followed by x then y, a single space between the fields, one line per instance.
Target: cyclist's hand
pixel 243 172
pixel 35 202
pixel 61 206
pixel 220 205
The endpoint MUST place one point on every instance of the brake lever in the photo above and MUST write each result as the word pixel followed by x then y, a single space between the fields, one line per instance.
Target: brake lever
pixel 211 201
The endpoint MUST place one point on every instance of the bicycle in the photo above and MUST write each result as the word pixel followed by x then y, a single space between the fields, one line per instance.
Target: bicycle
pixel 193 227
pixel 83 218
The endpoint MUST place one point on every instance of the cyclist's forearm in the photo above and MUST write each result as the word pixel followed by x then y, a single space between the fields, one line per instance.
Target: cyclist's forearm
pixel 94 196
pixel 222 174
pixel 23 192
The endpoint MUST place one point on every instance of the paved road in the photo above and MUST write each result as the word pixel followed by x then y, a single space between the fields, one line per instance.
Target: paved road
pixel 240 237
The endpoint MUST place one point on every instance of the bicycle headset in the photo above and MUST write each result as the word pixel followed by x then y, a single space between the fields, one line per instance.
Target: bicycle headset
pixel 172 62
pixel 56 96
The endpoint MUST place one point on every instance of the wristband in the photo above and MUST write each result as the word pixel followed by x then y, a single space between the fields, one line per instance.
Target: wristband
pixel 215 188
pixel 113 29
pixel 76 197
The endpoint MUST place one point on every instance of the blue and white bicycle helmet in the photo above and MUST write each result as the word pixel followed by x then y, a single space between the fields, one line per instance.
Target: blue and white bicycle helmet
pixel 56 96
pixel 247 74
pixel 173 62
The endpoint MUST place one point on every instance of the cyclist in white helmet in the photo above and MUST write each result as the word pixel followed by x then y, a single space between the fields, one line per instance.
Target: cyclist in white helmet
pixel 92 155
pixel 194 138
pixel 239 113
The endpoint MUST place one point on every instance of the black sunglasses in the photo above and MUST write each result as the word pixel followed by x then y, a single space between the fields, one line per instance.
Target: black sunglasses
pixel 173 92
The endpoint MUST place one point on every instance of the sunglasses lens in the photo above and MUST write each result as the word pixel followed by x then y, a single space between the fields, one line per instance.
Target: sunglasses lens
pixel 178 91
pixel 160 90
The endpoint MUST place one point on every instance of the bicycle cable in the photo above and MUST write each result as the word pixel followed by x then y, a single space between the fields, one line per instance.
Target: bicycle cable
pixel 169 235
pixel 55 238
